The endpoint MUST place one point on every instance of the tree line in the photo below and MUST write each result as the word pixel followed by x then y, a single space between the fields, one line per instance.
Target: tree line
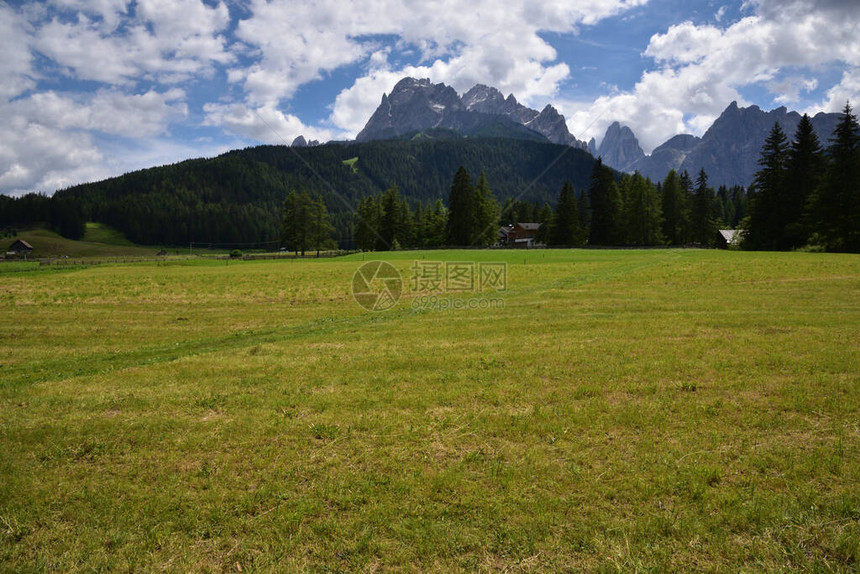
pixel 806 195
pixel 629 210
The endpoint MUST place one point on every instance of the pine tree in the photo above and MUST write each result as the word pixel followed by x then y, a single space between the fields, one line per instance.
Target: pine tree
pixel 767 212
pixel 804 167
pixel 675 209
pixel 566 226
pixel 544 217
pixel 702 222
pixel 417 225
pixel 606 206
pixel 642 211
pixel 486 211
pixel 320 226
pixel 406 233
pixel 296 221
pixel 435 222
pixel 836 206
pixel 367 223
pixel 739 200
pixel 460 203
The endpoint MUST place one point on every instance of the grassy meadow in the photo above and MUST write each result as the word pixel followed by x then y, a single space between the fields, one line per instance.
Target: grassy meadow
pixel 623 411
pixel 98 241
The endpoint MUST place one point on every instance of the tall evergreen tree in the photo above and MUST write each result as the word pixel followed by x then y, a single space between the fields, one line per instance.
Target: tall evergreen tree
pixel 406 235
pixel 804 168
pixel 544 218
pixel 320 226
pixel 417 224
pixel 566 226
pixel 702 221
pixel 584 212
pixel 296 230
pixel 675 209
pixel 687 190
pixel 836 205
pixel 460 203
pixel 606 206
pixel 739 200
pixel 642 211
pixel 391 219
pixel 435 222
pixel 367 224
pixel 767 212
pixel 486 211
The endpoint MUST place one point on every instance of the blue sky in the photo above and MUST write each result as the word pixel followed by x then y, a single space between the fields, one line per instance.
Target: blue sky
pixel 94 88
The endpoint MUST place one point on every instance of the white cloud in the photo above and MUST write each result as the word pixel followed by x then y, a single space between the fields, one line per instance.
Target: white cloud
pixel 47 139
pixel 34 157
pixel 170 40
pixel 107 111
pixel 263 124
pixel 790 88
pixel 52 138
pixel 486 43
pixel 847 89
pixel 703 68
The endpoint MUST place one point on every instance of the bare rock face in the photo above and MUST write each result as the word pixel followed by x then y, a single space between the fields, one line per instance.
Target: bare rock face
pixel 728 151
pixel 620 149
pixel 487 100
pixel 302 142
pixel 413 105
pixel 419 105
pixel 551 124
pixel 666 157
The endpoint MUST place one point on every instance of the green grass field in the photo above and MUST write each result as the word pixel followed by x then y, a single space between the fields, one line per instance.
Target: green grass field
pixel 99 241
pixel 654 410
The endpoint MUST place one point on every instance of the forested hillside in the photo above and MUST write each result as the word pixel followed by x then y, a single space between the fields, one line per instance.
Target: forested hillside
pixel 237 197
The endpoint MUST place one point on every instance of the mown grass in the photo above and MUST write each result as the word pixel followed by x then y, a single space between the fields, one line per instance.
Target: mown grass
pixel 624 411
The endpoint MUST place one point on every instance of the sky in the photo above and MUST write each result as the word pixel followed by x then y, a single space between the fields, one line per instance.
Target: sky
pixel 91 89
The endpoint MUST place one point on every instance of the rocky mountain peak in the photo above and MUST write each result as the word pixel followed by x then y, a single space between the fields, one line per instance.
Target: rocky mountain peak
pixel 620 149
pixel 484 99
pixel 416 105
pixel 413 105
pixel 300 141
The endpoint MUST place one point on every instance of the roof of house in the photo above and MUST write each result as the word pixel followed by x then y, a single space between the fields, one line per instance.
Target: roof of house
pixel 21 242
pixel 529 226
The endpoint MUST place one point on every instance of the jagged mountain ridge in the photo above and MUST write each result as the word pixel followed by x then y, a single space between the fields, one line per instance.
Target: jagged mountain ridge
pixel 728 151
pixel 418 105
pixel 665 157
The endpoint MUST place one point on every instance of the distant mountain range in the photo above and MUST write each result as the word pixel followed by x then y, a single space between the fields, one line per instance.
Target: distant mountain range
pixel 728 151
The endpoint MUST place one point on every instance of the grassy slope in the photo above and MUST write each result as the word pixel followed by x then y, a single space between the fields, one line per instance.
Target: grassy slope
pixel 99 241
pixel 626 410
